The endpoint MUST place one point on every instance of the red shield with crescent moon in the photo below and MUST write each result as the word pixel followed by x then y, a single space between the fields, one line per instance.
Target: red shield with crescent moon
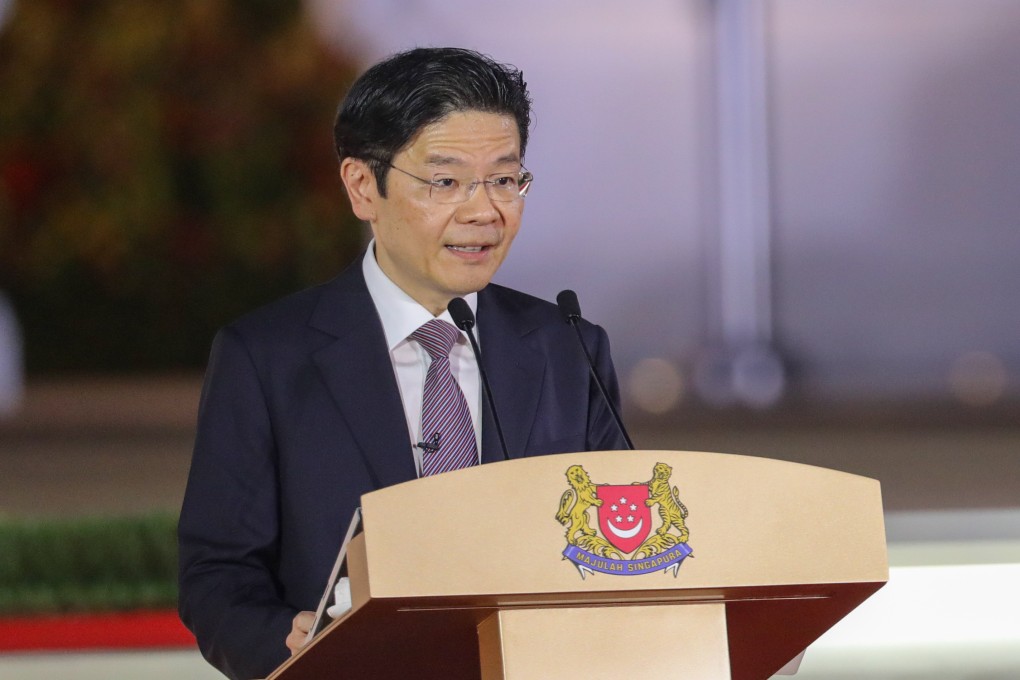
pixel 624 517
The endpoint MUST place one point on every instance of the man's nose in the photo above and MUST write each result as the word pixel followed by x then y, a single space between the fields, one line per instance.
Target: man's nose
pixel 478 207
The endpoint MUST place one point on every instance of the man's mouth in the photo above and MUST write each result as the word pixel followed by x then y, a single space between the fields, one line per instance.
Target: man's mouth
pixel 468 249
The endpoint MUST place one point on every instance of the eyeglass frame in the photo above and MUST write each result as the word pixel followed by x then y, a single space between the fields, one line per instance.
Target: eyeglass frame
pixel 524 179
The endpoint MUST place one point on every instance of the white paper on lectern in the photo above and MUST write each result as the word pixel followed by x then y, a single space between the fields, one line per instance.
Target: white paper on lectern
pixel 341 598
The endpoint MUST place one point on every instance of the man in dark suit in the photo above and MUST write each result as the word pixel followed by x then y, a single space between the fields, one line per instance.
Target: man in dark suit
pixel 321 397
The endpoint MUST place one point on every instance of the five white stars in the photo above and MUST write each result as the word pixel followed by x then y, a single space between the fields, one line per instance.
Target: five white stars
pixel 623 501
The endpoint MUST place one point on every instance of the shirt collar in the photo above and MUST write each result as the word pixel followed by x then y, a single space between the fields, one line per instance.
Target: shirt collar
pixel 400 314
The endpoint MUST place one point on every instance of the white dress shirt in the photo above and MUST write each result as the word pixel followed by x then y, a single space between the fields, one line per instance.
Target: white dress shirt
pixel 401 315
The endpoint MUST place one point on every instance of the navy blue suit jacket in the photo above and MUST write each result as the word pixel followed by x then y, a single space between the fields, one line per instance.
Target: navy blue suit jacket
pixel 301 415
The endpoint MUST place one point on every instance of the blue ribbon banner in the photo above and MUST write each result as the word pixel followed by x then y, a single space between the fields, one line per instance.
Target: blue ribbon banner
pixel 587 563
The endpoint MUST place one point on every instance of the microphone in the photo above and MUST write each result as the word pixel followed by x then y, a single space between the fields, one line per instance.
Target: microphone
pixel 571 310
pixel 430 445
pixel 465 320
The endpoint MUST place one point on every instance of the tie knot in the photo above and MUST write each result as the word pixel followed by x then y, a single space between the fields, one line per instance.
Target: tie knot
pixel 437 337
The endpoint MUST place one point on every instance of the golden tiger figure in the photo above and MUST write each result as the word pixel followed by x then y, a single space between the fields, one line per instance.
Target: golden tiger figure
pixel 573 514
pixel 671 511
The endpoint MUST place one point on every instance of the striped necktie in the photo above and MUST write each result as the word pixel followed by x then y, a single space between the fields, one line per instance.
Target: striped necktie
pixel 448 435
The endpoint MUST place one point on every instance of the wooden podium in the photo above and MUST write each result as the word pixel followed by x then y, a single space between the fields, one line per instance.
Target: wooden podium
pixel 470 575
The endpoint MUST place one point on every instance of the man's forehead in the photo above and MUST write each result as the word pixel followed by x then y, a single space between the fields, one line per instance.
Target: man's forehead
pixel 464 137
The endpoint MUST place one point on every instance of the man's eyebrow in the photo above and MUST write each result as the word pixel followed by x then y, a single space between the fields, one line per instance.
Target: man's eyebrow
pixel 509 158
pixel 443 160
pixel 440 161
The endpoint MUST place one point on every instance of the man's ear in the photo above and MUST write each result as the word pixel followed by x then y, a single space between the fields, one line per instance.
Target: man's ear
pixel 359 180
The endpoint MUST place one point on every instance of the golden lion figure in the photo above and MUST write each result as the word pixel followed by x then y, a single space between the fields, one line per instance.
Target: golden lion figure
pixel 573 514
pixel 671 511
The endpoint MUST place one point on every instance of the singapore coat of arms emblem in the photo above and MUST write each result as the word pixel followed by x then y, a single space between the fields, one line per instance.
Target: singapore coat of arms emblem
pixel 624 544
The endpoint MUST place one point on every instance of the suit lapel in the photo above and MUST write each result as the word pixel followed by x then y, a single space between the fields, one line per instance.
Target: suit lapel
pixel 515 371
pixel 357 370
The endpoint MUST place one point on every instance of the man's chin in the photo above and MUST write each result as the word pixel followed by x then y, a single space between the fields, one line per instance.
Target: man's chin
pixel 472 283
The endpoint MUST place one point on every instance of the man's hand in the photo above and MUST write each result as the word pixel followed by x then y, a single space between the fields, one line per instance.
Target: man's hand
pixel 299 631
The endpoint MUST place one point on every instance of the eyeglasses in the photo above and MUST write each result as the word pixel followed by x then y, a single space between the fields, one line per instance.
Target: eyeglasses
pixel 502 188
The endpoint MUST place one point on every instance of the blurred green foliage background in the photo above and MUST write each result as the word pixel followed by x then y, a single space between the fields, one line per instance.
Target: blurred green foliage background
pixel 88 564
pixel 164 166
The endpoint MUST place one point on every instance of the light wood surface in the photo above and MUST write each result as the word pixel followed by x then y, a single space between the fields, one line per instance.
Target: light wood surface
pixel 602 643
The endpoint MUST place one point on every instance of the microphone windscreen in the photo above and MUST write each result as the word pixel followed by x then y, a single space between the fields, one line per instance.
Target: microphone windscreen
pixel 569 306
pixel 460 311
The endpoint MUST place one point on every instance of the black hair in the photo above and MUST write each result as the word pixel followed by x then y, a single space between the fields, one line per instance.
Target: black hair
pixel 395 99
